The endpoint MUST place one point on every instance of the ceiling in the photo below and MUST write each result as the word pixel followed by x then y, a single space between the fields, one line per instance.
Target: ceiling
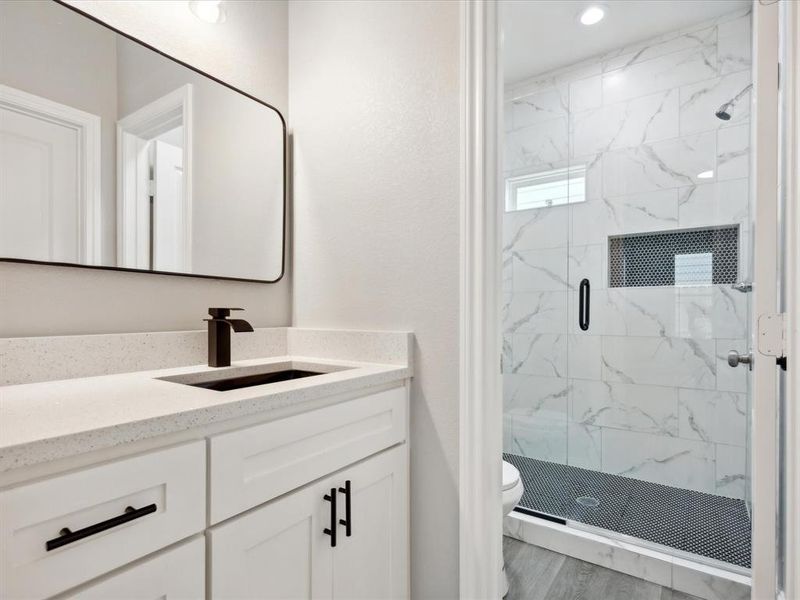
pixel 541 35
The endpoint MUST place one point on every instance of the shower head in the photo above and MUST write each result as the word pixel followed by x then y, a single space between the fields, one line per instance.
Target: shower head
pixel 724 112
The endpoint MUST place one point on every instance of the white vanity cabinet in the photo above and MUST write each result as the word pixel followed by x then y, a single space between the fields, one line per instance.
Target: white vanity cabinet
pixel 60 532
pixel 230 513
pixel 345 536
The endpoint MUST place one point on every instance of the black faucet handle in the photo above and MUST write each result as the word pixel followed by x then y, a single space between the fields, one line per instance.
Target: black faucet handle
pixel 221 312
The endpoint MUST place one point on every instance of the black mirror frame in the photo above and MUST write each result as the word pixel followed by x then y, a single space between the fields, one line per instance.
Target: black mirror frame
pixel 227 85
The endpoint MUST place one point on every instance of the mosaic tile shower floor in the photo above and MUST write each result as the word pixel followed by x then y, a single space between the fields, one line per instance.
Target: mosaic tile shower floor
pixel 704 524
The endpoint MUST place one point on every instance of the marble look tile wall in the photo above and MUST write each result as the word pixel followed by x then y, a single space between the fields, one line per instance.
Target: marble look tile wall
pixel 646 392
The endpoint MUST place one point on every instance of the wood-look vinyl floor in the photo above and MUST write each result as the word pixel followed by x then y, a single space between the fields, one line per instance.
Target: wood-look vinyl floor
pixel 538 574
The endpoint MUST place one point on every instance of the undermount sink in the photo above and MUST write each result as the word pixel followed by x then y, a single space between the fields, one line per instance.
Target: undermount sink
pixel 235 383
pixel 239 377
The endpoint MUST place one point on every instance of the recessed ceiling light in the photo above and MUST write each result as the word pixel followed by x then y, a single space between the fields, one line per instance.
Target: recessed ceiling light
pixel 705 175
pixel 209 11
pixel 591 15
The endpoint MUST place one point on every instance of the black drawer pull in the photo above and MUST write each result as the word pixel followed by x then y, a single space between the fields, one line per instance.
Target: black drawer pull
pixel 332 530
pixel 346 521
pixel 583 304
pixel 67 536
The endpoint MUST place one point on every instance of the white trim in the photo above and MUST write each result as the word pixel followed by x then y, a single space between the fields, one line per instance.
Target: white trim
pixel 764 391
pixel 480 407
pixel 87 128
pixel 163 114
pixel 790 23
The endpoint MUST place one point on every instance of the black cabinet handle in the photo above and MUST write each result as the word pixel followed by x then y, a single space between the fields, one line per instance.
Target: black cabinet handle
pixel 331 531
pixel 583 304
pixel 67 536
pixel 346 521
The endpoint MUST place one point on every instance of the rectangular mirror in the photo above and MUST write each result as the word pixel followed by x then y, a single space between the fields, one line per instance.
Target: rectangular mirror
pixel 113 155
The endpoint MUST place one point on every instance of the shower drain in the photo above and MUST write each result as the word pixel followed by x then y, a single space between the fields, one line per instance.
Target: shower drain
pixel 588 501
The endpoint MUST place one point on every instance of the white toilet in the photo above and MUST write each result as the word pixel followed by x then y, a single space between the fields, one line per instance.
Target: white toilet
pixel 512 492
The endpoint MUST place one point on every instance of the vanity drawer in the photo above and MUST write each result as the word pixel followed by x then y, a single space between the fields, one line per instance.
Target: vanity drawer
pixel 253 465
pixel 115 513
pixel 175 574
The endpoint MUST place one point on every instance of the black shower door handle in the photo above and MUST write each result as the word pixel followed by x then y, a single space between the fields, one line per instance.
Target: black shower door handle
pixel 584 292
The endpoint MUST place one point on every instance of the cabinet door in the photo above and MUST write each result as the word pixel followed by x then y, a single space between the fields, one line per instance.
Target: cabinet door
pixel 177 574
pixel 373 562
pixel 276 551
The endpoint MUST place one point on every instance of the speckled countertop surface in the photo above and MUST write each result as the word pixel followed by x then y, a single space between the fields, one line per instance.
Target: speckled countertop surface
pixel 44 421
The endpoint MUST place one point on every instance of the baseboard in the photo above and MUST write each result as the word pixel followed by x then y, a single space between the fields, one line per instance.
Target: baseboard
pixel 681 574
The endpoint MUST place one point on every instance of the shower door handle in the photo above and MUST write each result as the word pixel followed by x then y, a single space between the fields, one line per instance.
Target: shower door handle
pixel 735 359
pixel 584 296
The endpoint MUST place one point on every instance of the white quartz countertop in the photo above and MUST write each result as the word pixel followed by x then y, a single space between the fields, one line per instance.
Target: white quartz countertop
pixel 45 421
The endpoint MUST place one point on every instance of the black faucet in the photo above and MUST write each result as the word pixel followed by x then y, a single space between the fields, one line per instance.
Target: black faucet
pixel 219 335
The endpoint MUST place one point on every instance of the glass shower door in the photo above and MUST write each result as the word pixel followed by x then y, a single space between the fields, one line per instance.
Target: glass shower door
pixel 626 262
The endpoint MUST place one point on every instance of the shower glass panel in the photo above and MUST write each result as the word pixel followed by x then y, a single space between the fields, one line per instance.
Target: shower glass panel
pixel 626 236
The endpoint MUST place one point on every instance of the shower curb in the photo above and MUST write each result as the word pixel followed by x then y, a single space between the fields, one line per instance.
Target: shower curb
pixel 683 575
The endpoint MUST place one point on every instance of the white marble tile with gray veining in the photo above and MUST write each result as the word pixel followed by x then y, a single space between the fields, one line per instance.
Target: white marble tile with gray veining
pixel 540 354
pixel 644 408
pixel 708 582
pixel 733 152
pixel 734 46
pixel 699 102
pixel 537 436
pixel 713 416
pixel 584 446
pixel 587 262
pixel 635 311
pixel 585 93
pixel 585 359
pixel 659 74
pixel 595 220
pixel 540 270
pixel 731 471
pixel 531 395
pixel 711 311
pixel 541 106
pixel 625 124
pixel 708 204
pixel 660 46
pixel 538 147
pixel 507 272
pixel 536 228
pixel 662 165
pixel 661 459
pixel 536 312
pixel 660 361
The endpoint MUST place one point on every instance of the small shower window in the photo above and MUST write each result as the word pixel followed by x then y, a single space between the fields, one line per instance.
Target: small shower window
pixel 546 188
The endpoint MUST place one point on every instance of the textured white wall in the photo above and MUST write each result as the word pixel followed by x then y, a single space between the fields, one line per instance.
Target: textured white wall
pixel 249 51
pixel 374 103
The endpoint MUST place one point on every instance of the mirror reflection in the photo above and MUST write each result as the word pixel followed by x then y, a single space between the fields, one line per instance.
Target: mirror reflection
pixel 114 155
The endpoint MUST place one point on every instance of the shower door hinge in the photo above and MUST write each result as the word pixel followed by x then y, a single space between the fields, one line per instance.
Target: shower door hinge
pixel 772 337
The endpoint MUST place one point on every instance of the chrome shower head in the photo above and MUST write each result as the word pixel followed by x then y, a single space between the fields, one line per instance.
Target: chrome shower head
pixel 722 111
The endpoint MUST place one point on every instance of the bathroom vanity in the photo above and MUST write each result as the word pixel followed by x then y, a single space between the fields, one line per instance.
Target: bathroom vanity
pixel 152 484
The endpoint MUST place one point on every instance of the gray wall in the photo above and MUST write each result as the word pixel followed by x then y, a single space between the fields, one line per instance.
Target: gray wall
pixel 249 51
pixel 374 91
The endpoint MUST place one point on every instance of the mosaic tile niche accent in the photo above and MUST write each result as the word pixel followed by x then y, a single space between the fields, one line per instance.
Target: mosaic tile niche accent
pixel 695 257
